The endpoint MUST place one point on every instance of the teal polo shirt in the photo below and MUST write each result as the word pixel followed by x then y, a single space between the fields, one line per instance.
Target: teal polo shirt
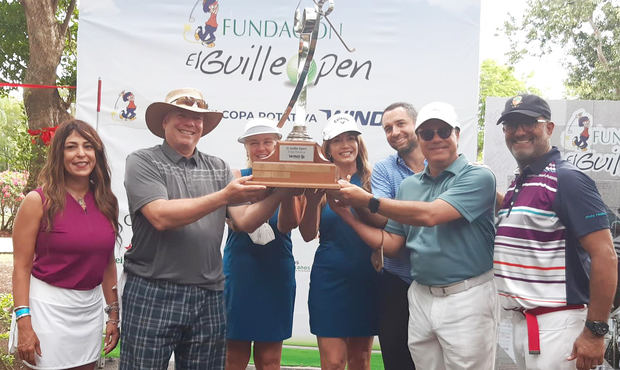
pixel 460 249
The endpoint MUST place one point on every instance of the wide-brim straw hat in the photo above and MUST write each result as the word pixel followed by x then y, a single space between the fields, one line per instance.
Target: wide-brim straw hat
pixel 187 99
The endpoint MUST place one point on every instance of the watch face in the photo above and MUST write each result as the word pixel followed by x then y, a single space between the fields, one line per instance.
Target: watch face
pixel 598 328
pixel 373 205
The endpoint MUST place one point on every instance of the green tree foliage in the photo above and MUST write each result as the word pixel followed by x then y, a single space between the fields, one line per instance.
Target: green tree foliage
pixel 49 28
pixel 13 43
pixel 14 50
pixel 588 31
pixel 497 80
pixel 14 141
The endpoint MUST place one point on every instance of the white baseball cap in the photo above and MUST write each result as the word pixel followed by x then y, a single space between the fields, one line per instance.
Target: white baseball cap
pixel 339 123
pixel 258 126
pixel 437 110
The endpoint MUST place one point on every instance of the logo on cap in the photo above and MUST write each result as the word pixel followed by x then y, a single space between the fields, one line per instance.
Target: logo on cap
pixel 342 120
pixel 516 101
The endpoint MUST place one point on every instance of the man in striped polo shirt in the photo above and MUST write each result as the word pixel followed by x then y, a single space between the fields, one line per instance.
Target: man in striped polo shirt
pixel 554 261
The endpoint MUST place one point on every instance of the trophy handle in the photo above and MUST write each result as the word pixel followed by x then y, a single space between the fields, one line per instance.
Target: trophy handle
pixel 308 22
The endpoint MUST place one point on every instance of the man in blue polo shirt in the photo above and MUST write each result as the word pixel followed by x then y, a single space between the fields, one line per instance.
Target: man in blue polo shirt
pixel 444 216
pixel 398 123
pixel 555 265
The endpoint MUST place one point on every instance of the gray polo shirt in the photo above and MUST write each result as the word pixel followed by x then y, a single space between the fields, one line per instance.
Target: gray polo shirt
pixel 189 254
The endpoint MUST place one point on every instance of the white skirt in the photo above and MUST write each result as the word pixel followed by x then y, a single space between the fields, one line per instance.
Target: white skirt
pixel 68 323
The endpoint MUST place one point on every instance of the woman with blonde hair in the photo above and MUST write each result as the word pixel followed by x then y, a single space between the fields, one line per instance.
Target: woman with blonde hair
pixel 63 257
pixel 260 270
pixel 343 284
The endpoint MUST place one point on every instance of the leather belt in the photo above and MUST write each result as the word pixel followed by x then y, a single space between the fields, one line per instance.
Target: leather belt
pixel 461 286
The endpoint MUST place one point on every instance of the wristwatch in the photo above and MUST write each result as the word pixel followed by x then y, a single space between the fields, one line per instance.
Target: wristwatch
pixel 598 328
pixel 373 205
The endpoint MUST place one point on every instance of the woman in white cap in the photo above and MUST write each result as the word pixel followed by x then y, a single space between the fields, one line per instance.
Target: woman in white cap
pixel 260 271
pixel 343 284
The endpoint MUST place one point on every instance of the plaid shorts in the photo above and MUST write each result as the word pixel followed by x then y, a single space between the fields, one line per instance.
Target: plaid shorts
pixel 161 317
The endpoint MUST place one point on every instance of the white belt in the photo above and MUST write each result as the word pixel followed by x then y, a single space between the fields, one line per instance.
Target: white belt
pixel 461 286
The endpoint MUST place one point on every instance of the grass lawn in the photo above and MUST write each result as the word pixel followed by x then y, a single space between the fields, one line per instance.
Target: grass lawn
pixel 310 357
pixel 296 357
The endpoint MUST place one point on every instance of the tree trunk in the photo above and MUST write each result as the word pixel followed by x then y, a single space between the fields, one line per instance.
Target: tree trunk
pixel 46 39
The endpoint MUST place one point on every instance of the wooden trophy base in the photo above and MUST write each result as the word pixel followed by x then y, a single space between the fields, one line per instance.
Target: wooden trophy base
pixel 295 164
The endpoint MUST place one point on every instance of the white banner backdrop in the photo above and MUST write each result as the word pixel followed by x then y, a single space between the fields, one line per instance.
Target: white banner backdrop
pixel 416 51
pixel 597 152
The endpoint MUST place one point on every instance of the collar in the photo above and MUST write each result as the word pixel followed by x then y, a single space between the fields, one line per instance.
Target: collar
pixel 400 161
pixel 175 156
pixel 454 168
pixel 542 162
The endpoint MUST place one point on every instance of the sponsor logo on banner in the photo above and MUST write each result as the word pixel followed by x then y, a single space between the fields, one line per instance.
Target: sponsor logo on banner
pixel 202 33
pixel 580 138
pixel 365 118
pixel 125 106
pixel 261 61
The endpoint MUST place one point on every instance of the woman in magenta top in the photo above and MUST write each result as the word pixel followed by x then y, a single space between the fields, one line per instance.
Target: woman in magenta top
pixel 63 242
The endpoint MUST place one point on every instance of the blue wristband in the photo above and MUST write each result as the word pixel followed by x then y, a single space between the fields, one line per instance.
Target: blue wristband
pixel 22 312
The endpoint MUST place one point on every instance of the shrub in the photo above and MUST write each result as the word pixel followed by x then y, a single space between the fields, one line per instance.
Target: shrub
pixel 6 308
pixel 11 186
pixel 7 361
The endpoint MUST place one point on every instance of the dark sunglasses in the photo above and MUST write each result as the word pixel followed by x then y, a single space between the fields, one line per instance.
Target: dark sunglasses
pixel 512 125
pixel 428 135
pixel 190 101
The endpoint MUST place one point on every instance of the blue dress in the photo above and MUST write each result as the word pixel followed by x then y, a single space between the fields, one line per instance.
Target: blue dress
pixel 342 301
pixel 260 286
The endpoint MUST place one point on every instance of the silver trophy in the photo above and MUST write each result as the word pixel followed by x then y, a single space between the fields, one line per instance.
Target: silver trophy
pixel 307 26
pixel 298 161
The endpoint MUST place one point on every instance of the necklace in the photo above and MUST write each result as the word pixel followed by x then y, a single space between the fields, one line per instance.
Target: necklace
pixel 79 199
pixel 82 203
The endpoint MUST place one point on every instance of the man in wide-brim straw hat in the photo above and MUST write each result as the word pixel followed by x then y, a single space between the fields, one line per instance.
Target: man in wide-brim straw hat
pixel 185 99
pixel 178 199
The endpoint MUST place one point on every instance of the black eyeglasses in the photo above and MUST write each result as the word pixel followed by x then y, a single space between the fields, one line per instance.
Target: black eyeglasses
pixel 190 101
pixel 525 124
pixel 428 135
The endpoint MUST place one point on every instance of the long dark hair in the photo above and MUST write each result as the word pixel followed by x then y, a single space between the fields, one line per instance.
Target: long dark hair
pixel 52 176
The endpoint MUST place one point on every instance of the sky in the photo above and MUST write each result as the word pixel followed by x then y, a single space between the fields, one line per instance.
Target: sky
pixel 548 72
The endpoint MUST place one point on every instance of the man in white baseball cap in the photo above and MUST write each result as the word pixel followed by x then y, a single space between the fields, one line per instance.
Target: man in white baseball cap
pixel 444 216
pixel 178 200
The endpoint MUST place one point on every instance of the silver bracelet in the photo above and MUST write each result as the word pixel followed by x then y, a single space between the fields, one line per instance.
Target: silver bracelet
pixel 112 307
pixel 115 322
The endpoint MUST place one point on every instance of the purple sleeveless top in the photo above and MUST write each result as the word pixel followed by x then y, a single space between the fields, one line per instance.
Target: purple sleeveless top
pixel 76 251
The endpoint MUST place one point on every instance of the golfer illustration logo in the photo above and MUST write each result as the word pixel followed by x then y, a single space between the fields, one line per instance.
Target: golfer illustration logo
pixel 125 106
pixel 204 34
pixel 577 131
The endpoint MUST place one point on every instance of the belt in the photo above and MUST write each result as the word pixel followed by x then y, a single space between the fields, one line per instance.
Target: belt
pixel 461 286
pixel 531 319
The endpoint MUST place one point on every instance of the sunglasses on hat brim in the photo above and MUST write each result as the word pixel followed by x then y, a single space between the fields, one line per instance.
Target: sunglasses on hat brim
pixel 190 101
